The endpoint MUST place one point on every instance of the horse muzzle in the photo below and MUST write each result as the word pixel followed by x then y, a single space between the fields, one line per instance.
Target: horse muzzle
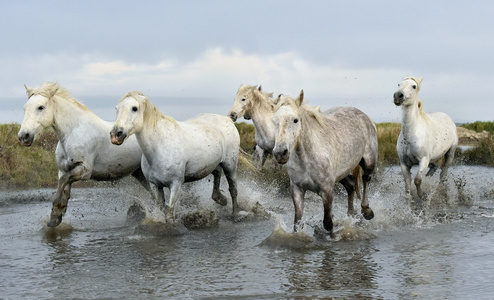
pixel 26 139
pixel 398 98
pixel 117 136
pixel 233 116
pixel 281 155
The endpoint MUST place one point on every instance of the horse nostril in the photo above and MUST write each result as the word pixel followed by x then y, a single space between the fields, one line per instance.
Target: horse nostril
pixel 119 133
pixel 285 152
pixel 25 136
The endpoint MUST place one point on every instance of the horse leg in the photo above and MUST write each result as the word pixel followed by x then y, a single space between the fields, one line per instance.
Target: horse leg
pixel 448 159
pixel 368 167
pixel 157 193
pixel 348 183
pixel 217 196
pixel 264 157
pixel 433 167
pixel 424 162
pixel 137 174
pixel 59 206
pixel 327 198
pixel 366 210
pixel 297 194
pixel 231 177
pixel 174 197
pixel 405 170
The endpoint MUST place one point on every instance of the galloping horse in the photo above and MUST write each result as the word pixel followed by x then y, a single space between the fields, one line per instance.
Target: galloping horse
pixel 177 152
pixel 83 151
pixel 321 149
pixel 252 103
pixel 424 139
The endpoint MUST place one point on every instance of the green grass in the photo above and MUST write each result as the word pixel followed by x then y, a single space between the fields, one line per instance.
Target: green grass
pixel 387 136
pixel 21 166
pixel 480 126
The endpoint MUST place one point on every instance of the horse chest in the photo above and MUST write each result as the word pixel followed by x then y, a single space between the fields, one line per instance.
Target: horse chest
pixel 303 177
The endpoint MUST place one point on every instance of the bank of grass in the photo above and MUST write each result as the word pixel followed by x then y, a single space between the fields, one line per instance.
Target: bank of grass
pixel 387 136
pixel 21 166
pixel 35 166
pixel 480 126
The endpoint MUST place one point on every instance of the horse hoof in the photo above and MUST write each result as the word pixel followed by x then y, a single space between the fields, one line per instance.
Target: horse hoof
pixel 221 200
pixel 55 221
pixel 239 216
pixel 368 213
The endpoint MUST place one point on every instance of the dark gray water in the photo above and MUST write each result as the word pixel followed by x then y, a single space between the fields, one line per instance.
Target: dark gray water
pixel 443 251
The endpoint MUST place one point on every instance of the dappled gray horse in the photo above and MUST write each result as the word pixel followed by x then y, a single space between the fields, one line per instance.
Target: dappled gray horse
pixel 321 149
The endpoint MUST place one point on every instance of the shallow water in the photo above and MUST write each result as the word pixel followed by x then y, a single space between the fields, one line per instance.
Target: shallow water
pixel 439 250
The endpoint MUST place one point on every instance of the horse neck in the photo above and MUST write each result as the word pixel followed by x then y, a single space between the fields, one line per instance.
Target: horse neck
pixel 67 116
pixel 309 136
pixel 412 117
pixel 262 117
pixel 164 128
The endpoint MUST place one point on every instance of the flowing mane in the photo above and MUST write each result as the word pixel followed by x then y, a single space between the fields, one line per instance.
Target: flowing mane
pixel 308 113
pixel 151 113
pixel 47 89
pixel 420 105
pixel 258 96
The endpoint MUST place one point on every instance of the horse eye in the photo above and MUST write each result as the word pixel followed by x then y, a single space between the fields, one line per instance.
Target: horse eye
pixel 243 99
pixel 295 121
pixel 41 108
pixel 134 108
pixel 414 87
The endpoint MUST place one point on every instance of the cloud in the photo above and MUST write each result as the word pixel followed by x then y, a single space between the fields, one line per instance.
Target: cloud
pixel 216 74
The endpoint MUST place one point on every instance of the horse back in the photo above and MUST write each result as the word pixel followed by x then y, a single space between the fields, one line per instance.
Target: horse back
pixel 348 136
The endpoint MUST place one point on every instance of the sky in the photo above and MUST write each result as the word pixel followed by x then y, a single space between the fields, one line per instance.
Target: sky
pixel 190 57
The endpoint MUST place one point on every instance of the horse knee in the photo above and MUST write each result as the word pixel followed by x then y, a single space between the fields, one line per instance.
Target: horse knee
pixel 417 181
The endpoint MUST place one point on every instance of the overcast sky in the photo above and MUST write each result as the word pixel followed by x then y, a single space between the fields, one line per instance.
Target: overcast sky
pixel 191 56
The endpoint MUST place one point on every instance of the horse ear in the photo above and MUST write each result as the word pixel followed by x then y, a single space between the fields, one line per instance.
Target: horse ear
pixel 300 98
pixel 420 80
pixel 259 88
pixel 28 89
pixel 53 92
pixel 275 101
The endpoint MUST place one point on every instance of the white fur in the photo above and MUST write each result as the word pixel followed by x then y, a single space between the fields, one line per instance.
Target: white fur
pixel 84 150
pixel 252 103
pixel 177 152
pixel 424 138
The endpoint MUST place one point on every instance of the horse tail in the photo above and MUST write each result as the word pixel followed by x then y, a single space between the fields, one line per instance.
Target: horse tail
pixel 245 159
pixel 357 178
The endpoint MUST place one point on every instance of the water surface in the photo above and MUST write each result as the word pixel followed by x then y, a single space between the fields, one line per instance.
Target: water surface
pixel 441 250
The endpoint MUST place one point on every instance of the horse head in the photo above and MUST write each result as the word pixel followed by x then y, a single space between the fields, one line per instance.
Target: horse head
pixel 247 97
pixel 243 102
pixel 407 91
pixel 287 126
pixel 130 117
pixel 38 112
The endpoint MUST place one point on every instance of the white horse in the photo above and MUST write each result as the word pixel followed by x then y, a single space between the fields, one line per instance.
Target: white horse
pixel 177 152
pixel 83 151
pixel 252 103
pixel 321 149
pixel 424 139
